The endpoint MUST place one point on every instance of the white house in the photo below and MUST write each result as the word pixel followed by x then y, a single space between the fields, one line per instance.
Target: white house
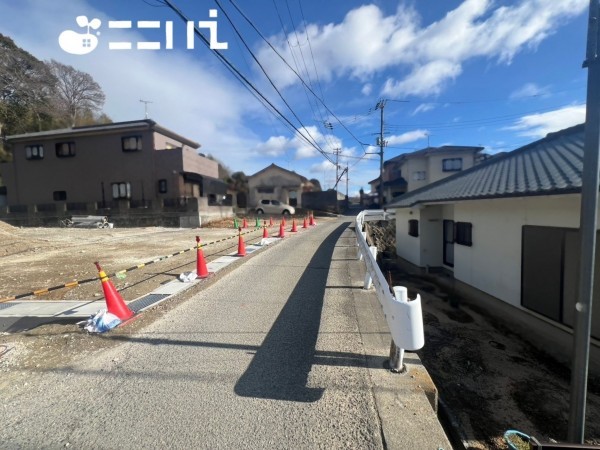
pixel 507 231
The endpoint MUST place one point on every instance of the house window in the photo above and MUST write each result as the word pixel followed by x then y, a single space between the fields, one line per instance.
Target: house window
pixel 413 228
pixel 121 190
pixel 452 164
pixel 34 152
pixel 464 233
pixel 59 196
pixel 65 149
pixel 132 143
pixel 418 175
pixel 265 190
pixel 162 186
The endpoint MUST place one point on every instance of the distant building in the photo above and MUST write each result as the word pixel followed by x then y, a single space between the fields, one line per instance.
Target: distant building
pixel 411 171
pixel 276 183
pixel 137 171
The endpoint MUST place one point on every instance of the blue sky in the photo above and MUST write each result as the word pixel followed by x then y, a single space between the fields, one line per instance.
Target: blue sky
pixel 498 74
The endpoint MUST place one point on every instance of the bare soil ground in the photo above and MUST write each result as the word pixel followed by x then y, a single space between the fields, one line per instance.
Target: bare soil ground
pixel 489 379
pixel 39 258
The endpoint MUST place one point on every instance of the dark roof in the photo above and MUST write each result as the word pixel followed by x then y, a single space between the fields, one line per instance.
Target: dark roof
pixel 431 150
pixel 550 166
pixel 273 165
pixel 103 128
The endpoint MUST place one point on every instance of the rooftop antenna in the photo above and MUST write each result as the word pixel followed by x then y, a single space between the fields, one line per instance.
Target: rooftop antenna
pixel 145 102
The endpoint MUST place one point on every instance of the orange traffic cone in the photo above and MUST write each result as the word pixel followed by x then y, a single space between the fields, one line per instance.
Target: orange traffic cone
pixel 265 232
pixel 201 269
pixel 294 228
pixel 305 225
pixel 244 223
pixel 241 245
pixel 114 302
pixel 311 220
pixel 281 231
pixel 283 220
pixel 270 221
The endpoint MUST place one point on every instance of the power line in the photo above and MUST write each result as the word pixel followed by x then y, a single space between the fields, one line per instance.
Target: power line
pixel 245 82
pixel 295 72
pixel 316 145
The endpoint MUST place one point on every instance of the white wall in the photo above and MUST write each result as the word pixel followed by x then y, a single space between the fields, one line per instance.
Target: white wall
pixel 493 263
pixel 408 247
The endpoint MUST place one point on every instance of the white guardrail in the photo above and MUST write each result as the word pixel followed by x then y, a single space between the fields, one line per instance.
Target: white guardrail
pixel 404 316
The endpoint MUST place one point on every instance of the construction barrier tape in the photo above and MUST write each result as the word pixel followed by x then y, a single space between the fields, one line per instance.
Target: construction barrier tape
pixel 120 274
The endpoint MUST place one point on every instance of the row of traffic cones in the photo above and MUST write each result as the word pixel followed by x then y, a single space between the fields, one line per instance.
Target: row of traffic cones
pixel 117 306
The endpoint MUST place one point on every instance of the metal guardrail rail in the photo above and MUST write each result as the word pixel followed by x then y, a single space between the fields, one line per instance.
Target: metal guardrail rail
pixel 403 316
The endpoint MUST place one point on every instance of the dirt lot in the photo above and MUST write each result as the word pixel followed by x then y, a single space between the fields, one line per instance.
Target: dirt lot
pixel 489 378
pixel 39 258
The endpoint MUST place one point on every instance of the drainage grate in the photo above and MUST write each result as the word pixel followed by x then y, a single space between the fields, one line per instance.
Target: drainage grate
pixel 6 305
pixel 144 302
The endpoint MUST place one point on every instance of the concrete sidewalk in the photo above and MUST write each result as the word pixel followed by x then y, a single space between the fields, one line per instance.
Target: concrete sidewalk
pixel 285 351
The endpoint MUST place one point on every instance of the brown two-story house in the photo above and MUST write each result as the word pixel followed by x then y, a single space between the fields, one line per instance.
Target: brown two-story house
pixel 117 168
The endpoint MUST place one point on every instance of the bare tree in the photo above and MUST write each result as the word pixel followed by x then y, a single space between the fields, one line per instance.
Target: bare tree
pixel 77 93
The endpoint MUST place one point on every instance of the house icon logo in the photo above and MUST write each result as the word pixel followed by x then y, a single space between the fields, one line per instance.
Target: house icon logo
pixel 80 43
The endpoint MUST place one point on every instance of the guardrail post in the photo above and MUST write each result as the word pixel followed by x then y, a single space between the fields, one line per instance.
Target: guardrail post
pixel 396 358
pixel 360 255
pixel 368 279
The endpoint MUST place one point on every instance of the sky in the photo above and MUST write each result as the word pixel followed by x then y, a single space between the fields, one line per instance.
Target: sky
pixel 492 73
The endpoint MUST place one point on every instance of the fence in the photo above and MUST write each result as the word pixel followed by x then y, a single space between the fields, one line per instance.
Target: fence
pixel 403 316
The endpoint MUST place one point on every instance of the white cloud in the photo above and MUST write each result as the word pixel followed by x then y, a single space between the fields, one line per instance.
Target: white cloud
pixel 367 89
pixel 539 125
pixel 428 57
pixel 423 107
pixel 409 136
pixel 274 146
pixel 529 90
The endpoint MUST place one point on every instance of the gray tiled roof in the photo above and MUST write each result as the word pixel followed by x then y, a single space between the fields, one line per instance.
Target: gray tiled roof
pixel 552 165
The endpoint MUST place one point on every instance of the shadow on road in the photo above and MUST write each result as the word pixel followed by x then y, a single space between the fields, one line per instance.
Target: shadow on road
pixel 280 368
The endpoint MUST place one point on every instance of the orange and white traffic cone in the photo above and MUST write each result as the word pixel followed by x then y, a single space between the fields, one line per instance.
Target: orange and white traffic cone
pixel 281 231
pixel 244 223
pixel 114 302
pixel 270 221
pixel 265 232
pixel 241 245
pixel 304 224
pixel 201 269
pixel 294 228
pixel 311 220
pixel 283 220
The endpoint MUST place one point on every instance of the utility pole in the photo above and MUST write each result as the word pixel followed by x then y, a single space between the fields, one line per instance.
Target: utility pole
pixel 588 225
pixel 346 181
pixel 382 143
pixel 336 152
pixel 145 102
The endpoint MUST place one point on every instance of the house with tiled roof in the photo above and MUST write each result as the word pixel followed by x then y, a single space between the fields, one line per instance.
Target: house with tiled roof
pixel 507 230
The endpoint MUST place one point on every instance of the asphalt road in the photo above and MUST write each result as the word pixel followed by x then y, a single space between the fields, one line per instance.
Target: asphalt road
pixel 270 356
